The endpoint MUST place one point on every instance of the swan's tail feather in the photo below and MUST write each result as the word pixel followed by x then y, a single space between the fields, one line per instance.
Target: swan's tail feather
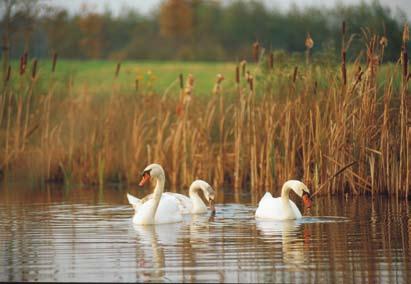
pixel 134 201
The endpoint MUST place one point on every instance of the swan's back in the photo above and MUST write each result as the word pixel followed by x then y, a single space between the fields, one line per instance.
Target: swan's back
pixel 276 209
pixel 168 211
pixel 184 202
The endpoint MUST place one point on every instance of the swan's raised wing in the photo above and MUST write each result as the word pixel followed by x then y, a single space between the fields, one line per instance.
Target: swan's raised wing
pixel 269 207
pixel 134 201
pixel 277 208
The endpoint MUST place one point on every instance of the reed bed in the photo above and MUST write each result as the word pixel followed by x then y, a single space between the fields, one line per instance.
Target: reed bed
pixel 341 129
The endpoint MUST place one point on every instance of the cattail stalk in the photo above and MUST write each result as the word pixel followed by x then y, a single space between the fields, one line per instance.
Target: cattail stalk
pixel 271 61
pixel 343 54
pixel 34 69
pixel 256 51
pixel 53 66
pixel 117 69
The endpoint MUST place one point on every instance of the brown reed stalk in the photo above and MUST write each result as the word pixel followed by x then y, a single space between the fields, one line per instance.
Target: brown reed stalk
pixel 271 61
pixel 404 112
pixel 295 74
pixel 239 114
pixel 22 68
pixel 54 62
pixel 309 43
pixel 34 69
pixel 117 69
pixel 343 54
pixel 256 51
pixel 317 136
pixel 343 67
pixel 8 74
pixel 243 65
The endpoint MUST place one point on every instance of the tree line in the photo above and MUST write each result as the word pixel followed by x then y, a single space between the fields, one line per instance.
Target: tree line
pixel 191 30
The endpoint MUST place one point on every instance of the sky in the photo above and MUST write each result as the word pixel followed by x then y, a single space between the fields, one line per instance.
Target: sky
pixel 145 6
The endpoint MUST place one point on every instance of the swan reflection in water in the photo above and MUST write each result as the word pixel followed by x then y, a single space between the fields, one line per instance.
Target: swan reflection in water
pixel 150 255
pixel 293 235
pixel 156 243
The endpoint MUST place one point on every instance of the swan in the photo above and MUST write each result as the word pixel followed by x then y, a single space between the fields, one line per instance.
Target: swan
pixel 188 205
pixel 282 208
pixel 160 208
pixel 194 204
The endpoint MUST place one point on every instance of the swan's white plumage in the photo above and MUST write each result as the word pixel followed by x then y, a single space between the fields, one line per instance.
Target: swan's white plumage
pixel 281 208
pixel 184 203
pixel 157 208
pixel 187 205
pixel 276 208
pixel 168 211
pixel 134 201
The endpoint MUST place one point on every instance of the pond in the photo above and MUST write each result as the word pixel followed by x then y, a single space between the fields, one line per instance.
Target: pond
pixel 86 234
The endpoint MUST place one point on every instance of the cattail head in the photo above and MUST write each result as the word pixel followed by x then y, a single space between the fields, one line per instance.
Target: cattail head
pixel 181 81
pixel 271 61
pixel 53 68
pixel 22 68
pixel 243 65
pixel 190 80
pixel 8 74
pixel 237 74
pixel 26 57
pixel 404 59
pixel 250 80
pixel 256 50
pixel 189 85
pixel 295 74
pixel 405 34
pixel 118 69
pixel 383 41
pixel 220 78
pixel 217 86
pixel 309 43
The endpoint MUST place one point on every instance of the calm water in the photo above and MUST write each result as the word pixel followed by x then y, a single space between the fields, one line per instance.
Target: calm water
pixel 55 234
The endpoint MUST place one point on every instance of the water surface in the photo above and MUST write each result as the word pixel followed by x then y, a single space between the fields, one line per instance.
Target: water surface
pixel 85 234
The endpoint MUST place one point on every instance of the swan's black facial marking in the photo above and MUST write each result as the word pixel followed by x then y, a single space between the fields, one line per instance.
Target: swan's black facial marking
pixel 308 194
pixel 146 172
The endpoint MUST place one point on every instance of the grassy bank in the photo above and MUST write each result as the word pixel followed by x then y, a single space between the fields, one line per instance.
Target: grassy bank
pixel 98 76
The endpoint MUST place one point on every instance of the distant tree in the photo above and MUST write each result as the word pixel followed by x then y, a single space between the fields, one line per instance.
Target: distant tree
pixel 176 19
pixel 92 41
pixel 18 19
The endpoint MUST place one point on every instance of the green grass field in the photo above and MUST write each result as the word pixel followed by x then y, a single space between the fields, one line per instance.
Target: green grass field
pixel 99 76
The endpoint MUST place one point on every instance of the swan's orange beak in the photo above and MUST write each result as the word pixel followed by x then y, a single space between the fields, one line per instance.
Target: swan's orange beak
pixel 144 179
pixel 307 201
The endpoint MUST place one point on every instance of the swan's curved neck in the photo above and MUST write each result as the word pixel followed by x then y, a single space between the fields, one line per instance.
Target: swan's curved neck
pixel 157 193
pixel 285 192
pixel 198 203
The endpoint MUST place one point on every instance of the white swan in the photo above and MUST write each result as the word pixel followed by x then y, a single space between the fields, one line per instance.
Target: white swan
pixel 160 208
pixel 282 208
pixel 194 204
pixel 188 205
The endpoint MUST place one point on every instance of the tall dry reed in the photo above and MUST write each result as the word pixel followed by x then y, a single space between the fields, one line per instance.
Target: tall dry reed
pixel 339 129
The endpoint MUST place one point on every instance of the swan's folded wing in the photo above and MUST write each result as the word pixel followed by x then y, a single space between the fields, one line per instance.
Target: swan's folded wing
pixel 184 203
